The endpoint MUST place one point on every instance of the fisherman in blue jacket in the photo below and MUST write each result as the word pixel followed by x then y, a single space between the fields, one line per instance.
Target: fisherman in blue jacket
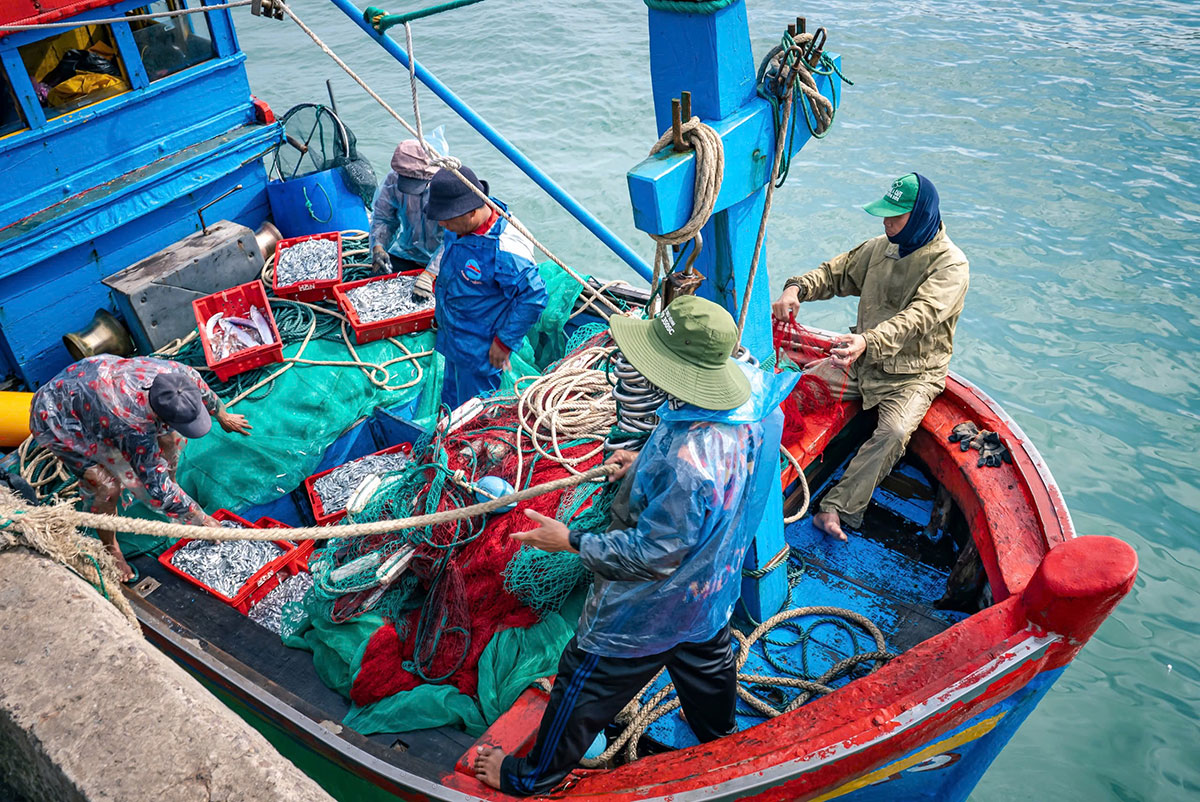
pixel 488 291
pixel 664 589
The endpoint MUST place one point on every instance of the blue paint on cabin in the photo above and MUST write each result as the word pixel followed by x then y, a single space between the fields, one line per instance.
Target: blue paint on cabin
pixel 95 190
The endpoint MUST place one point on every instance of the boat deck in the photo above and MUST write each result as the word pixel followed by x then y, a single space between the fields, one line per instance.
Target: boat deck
pixel 888 571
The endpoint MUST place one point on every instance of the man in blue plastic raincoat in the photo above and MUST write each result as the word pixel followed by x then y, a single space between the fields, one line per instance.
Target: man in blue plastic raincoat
pixel 664 589
pixel 488 291
pixel 402 237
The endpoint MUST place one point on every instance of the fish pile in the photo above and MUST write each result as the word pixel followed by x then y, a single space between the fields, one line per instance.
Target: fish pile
pixel 224 566
pixel 311 260
pixel 336 487
pixel 268 612
pixel 228 335
pixel 387 299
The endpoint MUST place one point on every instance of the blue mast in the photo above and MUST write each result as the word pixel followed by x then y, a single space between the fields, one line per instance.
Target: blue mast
pixel 707 52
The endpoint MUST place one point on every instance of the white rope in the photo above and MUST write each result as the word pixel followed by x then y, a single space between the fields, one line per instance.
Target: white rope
pixel 77 23
pixel 446 161
pixel 710 172
pixel 572 402
pixel 803 480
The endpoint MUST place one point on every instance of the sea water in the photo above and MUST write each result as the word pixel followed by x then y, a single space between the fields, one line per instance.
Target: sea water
pixel 1062 137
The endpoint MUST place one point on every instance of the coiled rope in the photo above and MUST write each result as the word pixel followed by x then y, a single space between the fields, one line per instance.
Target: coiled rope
pixel 572 403
pixel 639 714
pixel 710 172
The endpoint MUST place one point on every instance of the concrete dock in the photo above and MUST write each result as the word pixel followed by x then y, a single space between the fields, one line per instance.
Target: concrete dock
pixel 91 711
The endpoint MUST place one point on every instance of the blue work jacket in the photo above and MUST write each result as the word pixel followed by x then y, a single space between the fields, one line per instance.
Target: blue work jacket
pixel 488 287
pixel 700 485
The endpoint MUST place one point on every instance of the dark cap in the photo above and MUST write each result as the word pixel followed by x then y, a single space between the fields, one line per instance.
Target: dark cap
pixel 176 400
pixel 449 197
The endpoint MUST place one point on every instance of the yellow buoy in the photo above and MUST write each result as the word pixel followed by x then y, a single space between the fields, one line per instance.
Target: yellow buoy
pixel 14 418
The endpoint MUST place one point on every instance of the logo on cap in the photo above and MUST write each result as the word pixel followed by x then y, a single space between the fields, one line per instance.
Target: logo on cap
pixel 667 321
pixel 897 190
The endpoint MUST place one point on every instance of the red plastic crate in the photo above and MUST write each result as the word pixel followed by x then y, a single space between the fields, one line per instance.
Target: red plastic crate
pixel 304 548
pixel 267 577
pixel 392 327
pixel 236 302
pixel 319 515
pixel 308 291
pixel 259 593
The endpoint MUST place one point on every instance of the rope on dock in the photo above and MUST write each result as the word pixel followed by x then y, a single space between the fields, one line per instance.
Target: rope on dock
pixel 61 542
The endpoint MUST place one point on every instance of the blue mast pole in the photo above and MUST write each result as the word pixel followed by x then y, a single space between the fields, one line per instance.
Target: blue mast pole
pixel 589 221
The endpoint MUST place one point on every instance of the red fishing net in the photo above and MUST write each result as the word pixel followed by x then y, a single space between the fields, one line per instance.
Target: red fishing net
pixel 819 389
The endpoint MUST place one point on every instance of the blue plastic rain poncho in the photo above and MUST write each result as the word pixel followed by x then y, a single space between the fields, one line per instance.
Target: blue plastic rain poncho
pixel 488 288
pixel 398 220
pixel 700 485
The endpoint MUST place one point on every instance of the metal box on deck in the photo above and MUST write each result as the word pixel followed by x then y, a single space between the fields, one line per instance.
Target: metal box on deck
pixel 154 295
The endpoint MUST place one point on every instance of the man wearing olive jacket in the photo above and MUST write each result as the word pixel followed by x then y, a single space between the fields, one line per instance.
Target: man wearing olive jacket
pixel 911 282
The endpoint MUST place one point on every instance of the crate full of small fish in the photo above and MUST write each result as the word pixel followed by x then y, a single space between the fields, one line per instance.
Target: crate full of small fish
pixel 237 330
pixel 330 491
pixel 308 268
pixel 384 306
pixel 232 570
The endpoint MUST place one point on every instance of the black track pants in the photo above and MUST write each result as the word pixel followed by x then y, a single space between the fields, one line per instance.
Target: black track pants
pixel 590 690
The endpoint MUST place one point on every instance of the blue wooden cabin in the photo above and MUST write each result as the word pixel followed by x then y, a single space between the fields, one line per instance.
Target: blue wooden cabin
pixel 112 136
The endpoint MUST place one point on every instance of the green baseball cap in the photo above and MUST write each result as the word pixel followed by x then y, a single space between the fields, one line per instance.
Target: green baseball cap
pixel 686 351
pixel 898 200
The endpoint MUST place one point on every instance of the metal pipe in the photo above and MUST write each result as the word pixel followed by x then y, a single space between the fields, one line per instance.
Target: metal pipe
pixel 564 199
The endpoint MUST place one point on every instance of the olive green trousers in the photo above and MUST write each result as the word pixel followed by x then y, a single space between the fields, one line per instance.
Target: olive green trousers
pixel 900 413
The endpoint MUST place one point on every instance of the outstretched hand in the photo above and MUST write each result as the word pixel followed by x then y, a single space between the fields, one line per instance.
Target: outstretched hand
pixel 231 422
pixel 550 535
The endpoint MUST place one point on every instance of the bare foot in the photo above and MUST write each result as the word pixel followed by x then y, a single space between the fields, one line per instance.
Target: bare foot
pixel 829 523
pixel 122 567
pixel 487 765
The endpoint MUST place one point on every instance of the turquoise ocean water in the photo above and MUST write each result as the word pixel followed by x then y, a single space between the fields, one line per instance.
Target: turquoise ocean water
pixel 1063 138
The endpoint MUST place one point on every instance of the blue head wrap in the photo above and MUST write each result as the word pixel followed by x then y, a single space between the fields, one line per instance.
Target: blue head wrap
pixel 924 220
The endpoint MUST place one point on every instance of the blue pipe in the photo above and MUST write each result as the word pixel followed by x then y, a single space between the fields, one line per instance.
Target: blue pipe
pixel 504 146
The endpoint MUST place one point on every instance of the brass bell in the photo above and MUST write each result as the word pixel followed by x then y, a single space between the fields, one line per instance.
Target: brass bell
pixel 104 335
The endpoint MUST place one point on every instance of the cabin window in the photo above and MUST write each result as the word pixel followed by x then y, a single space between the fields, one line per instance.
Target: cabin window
pixel 11 118
pixel 74 69
pixel 170 44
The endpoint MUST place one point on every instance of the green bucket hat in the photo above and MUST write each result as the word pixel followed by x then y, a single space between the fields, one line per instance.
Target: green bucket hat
pixel 898 200
pixel 685 351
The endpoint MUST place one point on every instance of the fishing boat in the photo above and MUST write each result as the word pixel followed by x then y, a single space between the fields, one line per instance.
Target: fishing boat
pixel 932 633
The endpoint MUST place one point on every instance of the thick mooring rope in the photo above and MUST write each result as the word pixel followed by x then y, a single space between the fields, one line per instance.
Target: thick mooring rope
pixel 63 516
pixel 85 556
pixel 710 172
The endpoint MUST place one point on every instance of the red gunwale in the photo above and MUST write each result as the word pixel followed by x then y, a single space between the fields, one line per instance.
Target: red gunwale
pixel 1016 514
